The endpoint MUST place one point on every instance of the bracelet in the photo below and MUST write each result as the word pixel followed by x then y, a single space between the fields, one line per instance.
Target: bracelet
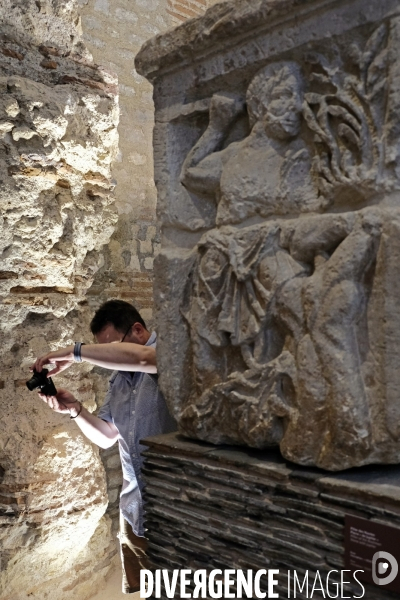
pixel 77 351
pixel 80 404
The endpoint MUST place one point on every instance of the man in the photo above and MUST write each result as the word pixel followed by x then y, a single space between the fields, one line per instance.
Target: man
pixel 133 409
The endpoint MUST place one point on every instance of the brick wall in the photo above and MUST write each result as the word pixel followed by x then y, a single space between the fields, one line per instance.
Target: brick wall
pixel 114 30
pixel 182 10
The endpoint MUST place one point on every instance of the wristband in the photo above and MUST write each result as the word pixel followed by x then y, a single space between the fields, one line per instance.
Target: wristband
pixel 77 351
pixel 77 415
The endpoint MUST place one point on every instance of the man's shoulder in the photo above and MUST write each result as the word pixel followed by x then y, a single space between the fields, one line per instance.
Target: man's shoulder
pixel 118 378
pixel 113 376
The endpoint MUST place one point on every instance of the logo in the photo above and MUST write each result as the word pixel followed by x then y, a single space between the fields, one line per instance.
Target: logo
pixel 384 568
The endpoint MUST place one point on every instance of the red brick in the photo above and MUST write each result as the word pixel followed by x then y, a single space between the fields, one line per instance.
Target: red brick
pixel 180 8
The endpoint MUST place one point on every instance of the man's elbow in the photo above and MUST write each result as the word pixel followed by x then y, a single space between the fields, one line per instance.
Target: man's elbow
pixel 148 359
pixel 109 435
pixel 106 443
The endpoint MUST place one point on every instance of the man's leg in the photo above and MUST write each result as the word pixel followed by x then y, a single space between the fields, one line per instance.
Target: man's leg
pixel 133 557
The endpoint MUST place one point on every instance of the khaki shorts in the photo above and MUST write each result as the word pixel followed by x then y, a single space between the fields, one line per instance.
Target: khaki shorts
pixel 133 556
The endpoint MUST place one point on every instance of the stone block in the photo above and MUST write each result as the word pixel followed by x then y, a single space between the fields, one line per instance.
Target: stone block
pixel 277 165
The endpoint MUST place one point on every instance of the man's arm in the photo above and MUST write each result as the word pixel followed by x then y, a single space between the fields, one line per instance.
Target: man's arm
pixel 102 433
pixel 122 356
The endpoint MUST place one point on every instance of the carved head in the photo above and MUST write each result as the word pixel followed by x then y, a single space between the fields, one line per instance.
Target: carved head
pixel 274 98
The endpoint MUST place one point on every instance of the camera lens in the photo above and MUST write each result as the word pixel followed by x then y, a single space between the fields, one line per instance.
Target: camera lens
pixel 32 384
pixel 37 380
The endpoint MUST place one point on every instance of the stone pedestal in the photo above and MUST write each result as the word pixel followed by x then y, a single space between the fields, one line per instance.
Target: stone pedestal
pixel 214 507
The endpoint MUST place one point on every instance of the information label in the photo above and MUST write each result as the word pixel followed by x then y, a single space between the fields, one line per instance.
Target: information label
pixel 374 549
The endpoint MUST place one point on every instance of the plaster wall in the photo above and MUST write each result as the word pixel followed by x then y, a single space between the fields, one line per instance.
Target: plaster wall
pixel 114 31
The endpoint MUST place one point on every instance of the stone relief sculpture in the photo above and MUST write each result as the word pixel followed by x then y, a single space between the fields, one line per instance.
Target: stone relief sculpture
pixel 287 308
pixel 267 173
pixel 348 119
pixel 289 297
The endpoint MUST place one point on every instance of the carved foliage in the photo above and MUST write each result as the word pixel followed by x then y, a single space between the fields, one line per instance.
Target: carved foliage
pixel 348 119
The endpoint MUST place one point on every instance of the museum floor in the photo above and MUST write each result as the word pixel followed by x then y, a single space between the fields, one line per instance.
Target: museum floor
pixel 112 590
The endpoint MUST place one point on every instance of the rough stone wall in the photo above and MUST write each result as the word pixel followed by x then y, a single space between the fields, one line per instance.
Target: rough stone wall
pixel 58 138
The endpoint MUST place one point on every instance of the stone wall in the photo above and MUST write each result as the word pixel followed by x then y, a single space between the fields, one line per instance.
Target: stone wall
pixel 60 260
pixel 59 113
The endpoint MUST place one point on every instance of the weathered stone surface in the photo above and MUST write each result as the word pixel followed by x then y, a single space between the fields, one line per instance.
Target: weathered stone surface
pixel 59 138
pixel 58 118
pixel 224 527
pixel 277 167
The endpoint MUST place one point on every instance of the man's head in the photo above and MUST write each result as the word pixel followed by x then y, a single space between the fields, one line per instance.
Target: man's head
pixel 117 321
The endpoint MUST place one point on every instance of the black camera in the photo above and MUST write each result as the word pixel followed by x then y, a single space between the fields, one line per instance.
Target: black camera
pixel 40 380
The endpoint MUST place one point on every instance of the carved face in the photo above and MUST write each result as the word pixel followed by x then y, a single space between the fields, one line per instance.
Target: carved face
pixel 282 109
pixel 274 99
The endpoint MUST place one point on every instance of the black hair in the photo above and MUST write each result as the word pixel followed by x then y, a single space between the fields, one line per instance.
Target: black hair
pixel 119 313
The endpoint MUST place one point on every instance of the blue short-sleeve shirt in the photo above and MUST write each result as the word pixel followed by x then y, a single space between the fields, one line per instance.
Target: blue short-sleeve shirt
pixel 137 408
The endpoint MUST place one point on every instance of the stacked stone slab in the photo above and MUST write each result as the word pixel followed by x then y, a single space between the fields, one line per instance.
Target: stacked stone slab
pixel 228 508
pixel 277 162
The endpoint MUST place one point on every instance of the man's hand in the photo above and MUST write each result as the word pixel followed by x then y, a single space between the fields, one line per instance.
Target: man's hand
pixel 102 433
pixel 61 359
pixel 63 402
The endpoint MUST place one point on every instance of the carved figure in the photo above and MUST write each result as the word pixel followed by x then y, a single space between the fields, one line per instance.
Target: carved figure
pixel 274 313
pixel 287 319
pixel 267 173
pixel 277 310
